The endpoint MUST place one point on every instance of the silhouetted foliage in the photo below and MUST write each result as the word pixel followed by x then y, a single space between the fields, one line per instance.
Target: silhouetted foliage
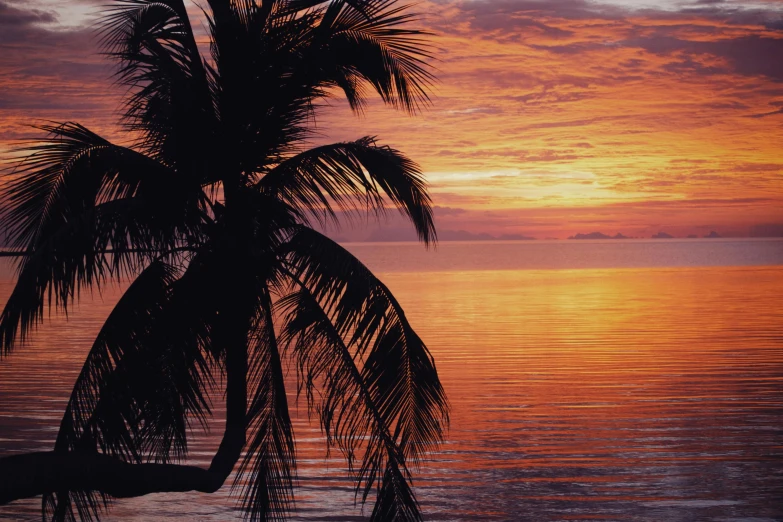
pixel 209 212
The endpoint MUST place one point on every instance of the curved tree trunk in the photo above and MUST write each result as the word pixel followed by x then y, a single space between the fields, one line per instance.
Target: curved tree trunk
pixel 235 330
pixel 31 474
pixel 38 473
pixel 236 308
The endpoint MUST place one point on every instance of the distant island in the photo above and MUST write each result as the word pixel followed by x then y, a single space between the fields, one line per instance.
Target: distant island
pixel 659 235
pixel 598 235
pixel 386 235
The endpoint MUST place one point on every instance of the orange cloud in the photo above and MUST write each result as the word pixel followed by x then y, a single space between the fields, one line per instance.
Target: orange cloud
pixel 563 105
pixel 550 117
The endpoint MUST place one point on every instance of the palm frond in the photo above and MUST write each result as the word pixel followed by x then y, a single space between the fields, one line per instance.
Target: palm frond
pixel 348 414
pixel 145 375
pixel 371 41
pixel 355 176
pixel 368 42
pixel 75 196
pixel 79 429
pixel 171 103
pixel 396 367
pixel 269 465
pixel 263 100
pixel 71 170
pixel 275 60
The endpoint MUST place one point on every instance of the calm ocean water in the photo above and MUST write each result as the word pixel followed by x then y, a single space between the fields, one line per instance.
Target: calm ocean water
pixel 589 380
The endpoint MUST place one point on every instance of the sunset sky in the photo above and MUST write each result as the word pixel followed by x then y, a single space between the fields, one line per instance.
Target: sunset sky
pixel 550 117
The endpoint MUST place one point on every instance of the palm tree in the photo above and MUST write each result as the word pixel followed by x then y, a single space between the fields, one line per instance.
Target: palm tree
pixel 210 212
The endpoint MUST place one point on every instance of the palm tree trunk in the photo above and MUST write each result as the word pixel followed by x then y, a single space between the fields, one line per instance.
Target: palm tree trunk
pixel 236 395
pixel 231 330
pixel 31 474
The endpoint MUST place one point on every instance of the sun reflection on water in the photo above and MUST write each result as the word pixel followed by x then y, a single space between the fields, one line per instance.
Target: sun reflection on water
pixel 611 394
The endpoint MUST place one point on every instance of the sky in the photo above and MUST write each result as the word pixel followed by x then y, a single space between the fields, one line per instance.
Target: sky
pixel 549 117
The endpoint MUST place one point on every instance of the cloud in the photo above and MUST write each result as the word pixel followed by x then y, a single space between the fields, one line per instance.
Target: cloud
pixel 15 23
pixel 765 114
pixel 513 14
pixel 49 73
pixel 749 55
pixel 598 104
pixel 574 27
pixel 448 211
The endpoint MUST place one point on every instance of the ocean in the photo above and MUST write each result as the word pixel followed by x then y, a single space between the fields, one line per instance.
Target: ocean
pixel 618 380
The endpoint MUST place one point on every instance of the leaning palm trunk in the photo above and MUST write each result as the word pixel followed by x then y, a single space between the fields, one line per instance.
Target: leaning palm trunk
pixel 209 212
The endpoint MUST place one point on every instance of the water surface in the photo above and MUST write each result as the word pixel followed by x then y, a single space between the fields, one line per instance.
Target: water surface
pixel 633 380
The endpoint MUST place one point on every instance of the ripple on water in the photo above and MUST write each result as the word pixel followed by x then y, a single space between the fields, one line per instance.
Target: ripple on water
pixel 630 395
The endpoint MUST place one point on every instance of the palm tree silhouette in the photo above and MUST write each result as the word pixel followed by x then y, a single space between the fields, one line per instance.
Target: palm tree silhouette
pixel 210 214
